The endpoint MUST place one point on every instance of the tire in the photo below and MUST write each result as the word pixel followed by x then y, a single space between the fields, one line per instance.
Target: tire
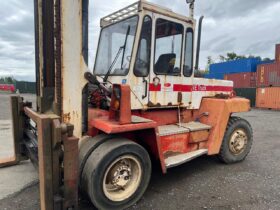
pixel 237 141
pixel 110 161
pixel 87 146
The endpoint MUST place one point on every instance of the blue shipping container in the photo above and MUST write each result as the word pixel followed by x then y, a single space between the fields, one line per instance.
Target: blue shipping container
pixel 236 66
pixel 214 76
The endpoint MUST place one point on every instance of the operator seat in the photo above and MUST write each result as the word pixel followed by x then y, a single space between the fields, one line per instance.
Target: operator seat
pixel 165 63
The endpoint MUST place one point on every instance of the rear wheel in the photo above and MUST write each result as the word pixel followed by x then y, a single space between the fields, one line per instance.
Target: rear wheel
pixel 237 141
pixel 116 174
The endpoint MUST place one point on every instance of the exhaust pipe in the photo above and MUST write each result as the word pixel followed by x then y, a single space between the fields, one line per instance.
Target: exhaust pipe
pixel 191 3
pixel 198 43
pixel 85 12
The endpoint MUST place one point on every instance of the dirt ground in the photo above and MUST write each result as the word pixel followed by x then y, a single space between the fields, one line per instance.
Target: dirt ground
pixel 204 183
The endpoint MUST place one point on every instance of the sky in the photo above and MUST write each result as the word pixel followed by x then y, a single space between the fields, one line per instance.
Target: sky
pixel 250 27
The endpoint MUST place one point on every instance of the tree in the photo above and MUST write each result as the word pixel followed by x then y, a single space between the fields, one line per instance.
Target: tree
pixel 7 80
pixel 257 57
pixel 231 56
pixel 209 62
pixel 266 59
pixel 222 58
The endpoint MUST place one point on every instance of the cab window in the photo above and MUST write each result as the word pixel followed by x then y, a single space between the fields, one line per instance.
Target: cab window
pixel 115 47
pixel 142 62
pixel 188 60
pixel 168 47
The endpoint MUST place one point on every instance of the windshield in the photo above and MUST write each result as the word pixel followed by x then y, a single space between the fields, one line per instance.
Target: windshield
pixel 112 40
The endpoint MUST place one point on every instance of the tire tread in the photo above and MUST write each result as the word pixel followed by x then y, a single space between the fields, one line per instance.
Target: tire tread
pixel 223 154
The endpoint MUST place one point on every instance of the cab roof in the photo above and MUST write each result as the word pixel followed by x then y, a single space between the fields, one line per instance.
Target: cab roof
pixel 139 6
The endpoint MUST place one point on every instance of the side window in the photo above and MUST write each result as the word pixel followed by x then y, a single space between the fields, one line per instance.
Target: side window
pixel 168 47
pixel 188 60
pixel 142 62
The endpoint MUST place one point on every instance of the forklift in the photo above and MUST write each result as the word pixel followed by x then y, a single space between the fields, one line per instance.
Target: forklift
pixel 94 133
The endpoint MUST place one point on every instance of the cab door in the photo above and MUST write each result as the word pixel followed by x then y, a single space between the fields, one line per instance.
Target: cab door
pixel 167 83
pixel 142 65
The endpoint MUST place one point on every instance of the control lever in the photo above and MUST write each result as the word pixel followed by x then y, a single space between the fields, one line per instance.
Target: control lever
pixel 92 79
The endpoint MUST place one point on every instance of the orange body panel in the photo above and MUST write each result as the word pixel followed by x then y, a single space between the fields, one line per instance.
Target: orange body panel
pixel 146 133
pixel 268 98
pixel 198 136
pixel 203 145
pixel 123 113
pixel 111 126
pixel 175 143
pixel 219 112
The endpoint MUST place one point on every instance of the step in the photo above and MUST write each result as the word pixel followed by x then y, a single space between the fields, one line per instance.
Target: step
pixel 183 158
pixel 166 130
pixel 195 126
pixel 179 128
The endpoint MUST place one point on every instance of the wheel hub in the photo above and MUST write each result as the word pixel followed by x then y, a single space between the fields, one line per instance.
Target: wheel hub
pixel 238 142
pixel 122 178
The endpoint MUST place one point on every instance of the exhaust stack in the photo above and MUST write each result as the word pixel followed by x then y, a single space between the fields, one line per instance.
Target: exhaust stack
pixel 198 43
pixel 191 3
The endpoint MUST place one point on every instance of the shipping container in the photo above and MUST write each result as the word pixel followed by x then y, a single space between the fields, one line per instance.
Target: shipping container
pixel 236 66
pixel 249 93
pixel 268 75
pixel 277 53
pixel 242 80
pixel 214 76
pixel 26 87
pixel 268 98
pixel 7 88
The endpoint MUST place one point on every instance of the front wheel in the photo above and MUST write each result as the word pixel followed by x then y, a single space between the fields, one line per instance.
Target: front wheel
pixel 116 174
pixel 237 141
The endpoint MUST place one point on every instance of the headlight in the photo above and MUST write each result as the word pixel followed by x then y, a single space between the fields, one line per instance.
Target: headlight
pixel 116 104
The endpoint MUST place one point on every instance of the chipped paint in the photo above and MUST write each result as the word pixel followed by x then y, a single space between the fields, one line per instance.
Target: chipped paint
pixel 73 65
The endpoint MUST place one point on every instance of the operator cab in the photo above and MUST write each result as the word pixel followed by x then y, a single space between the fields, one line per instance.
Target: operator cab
pixel 149 48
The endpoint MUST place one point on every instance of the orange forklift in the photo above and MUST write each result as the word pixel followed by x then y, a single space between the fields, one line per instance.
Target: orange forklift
pixel 94 133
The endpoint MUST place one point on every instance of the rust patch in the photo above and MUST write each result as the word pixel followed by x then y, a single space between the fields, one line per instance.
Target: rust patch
pixel 151 104
pixel 170 154
pixel 203 145
pixel 222 96
pixel 180 98
pixel 66 117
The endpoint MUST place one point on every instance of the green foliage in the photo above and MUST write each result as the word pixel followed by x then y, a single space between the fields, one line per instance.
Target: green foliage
pixel 7 80
pixel 231 56
pixel 209 62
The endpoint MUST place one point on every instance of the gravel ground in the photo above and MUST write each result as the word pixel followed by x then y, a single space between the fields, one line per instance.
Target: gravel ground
pixel 204 183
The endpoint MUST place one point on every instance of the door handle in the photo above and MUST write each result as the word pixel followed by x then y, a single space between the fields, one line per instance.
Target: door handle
pixel 146 88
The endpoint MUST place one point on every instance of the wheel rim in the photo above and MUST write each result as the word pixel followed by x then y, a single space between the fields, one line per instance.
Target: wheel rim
pixel 238 141
pixel 122 178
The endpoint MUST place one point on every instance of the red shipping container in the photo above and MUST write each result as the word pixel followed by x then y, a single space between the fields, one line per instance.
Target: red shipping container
pixel 7 88
pixel 268 75
pixel 242 80
pixel 277 53
pixel 268 98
